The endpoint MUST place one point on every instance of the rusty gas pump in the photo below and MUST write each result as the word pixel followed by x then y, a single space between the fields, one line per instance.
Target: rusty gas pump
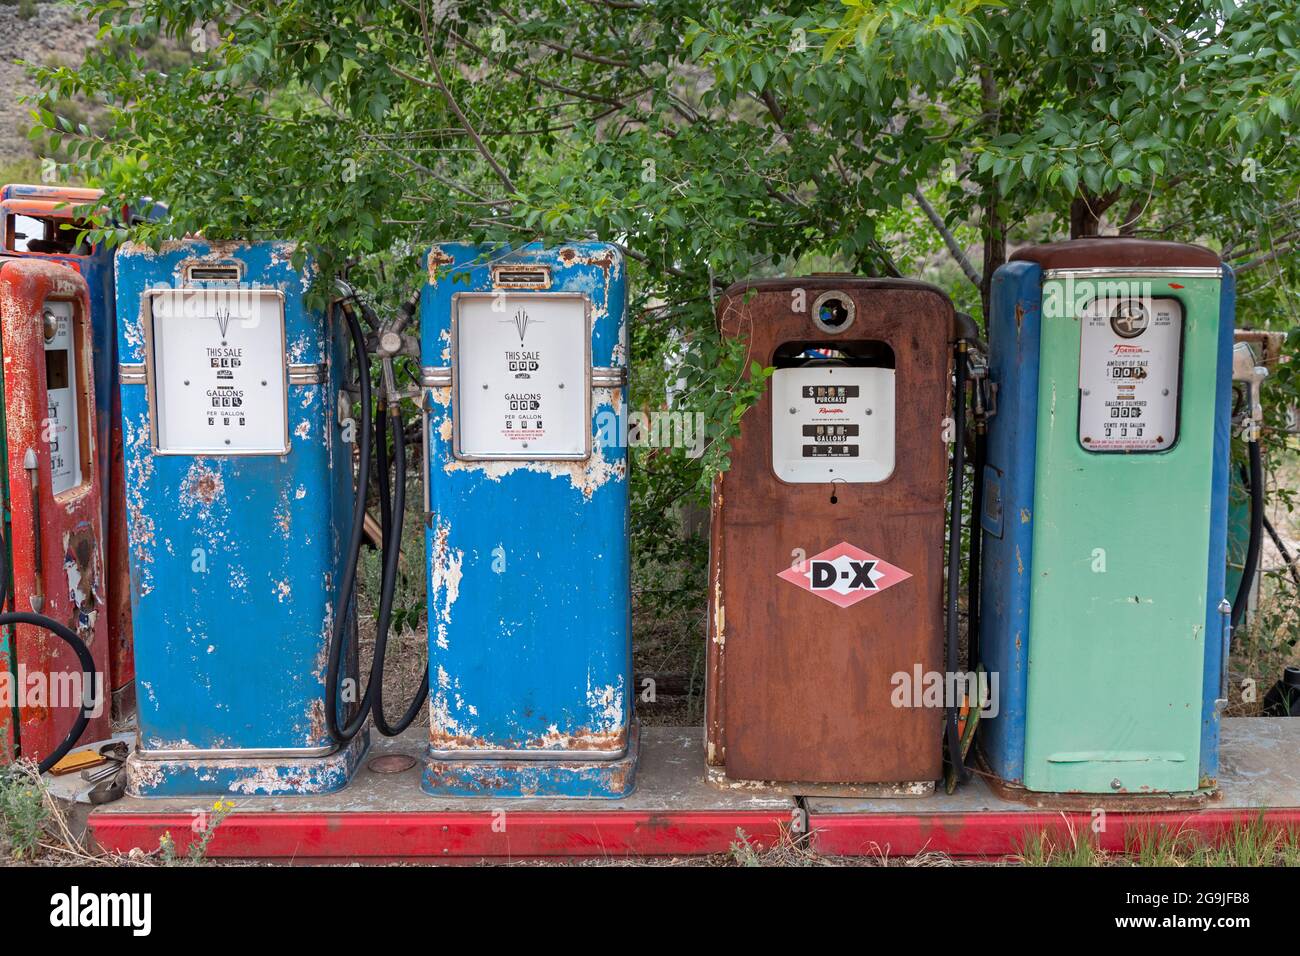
pixel 53 634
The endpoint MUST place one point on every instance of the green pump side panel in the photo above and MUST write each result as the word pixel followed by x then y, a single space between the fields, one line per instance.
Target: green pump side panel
pixel 1115 666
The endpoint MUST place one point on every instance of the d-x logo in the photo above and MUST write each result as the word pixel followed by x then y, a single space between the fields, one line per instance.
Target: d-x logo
pixel 844 575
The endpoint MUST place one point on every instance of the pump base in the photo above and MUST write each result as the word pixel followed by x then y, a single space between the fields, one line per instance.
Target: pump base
pixel 867 791
pixel 1105 801
pixel 580 779
pixel 235 776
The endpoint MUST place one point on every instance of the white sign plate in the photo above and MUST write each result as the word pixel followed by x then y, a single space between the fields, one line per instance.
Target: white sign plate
pixel 61 396
pixel 522 368
pixel 1129 356
pixel 832 423
pixel 218 372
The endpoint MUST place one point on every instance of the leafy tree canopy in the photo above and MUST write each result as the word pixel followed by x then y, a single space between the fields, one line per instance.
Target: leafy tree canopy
pixel 713 141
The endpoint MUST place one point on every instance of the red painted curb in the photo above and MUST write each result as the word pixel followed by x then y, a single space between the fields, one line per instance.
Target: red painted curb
pixel 1005 833
pixel 355 835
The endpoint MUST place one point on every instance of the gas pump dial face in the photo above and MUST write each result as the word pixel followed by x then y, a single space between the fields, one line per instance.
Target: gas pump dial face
pixel 1129 356
pixel 833 423
pixel 522 371
pixel 218 371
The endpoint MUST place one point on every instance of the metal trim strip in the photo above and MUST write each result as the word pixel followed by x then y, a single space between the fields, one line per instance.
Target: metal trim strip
pixel 1190 272
pixel 312 373
pixel 608 377
pixel 262 753
pixel 578 756
pixel 435 376
pixel 132 373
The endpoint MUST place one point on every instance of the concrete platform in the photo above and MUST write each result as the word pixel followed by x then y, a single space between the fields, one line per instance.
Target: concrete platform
pixel 1259 778
pixel 675 811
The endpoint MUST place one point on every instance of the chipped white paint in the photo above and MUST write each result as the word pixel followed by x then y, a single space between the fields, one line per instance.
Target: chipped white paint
pixel 444 580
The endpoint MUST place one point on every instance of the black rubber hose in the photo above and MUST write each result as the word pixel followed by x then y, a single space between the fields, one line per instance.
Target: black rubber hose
pixel 68 637
pixel 344 731
pixel 1255 540
pixel 381 475
pixel 392 553
pixel 87 663
pixel 954 554
pixel 391 558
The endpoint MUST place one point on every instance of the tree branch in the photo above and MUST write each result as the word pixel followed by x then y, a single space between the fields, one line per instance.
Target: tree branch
pixel 455 107
pixel 1261 260
pixel 949 240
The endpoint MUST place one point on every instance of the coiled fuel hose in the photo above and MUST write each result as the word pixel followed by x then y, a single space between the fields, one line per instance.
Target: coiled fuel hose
pixel 392 509
pixel 69 637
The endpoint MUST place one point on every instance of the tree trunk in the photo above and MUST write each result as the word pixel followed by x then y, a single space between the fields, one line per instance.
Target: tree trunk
pixel 995 249
pixel 1083 220
pixel 1086 211
pixel 995 232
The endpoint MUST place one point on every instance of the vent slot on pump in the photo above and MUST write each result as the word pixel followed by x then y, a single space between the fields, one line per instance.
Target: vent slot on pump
pixel 213 272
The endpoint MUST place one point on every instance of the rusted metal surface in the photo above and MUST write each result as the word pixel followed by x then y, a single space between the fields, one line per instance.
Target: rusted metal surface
pixel 58 204
pixel 391 763
pixel 799 689
pixel 246 776
pixel 1113 252
pixel 54 541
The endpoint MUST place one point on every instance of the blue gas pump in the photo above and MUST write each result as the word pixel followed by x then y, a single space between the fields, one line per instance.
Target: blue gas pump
pixel 238 435
pixel 524 365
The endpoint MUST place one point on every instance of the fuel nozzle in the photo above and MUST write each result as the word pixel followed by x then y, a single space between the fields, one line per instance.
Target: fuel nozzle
pixel 1245 369
pixel 390 341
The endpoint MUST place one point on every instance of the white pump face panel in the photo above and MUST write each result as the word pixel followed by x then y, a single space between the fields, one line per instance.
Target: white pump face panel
pixel 833 423
pixel 218 378
pixel 521 364
pixel 1130 352
pixel 61 396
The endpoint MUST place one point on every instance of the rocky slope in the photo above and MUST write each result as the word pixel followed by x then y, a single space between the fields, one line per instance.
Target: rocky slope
pixel 55 34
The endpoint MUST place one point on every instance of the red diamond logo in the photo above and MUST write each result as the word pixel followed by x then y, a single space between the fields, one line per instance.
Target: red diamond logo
pixel 844 575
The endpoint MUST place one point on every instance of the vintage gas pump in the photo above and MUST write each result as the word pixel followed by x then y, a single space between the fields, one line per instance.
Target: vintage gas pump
pixel 238 436
pixel 1103 606
pixel 53 641
pixel 827 564
pixel 41 222
pixel 525 362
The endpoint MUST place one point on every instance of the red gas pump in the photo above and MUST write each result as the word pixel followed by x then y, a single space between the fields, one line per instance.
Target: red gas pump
pixel 40 221
pixel 53 533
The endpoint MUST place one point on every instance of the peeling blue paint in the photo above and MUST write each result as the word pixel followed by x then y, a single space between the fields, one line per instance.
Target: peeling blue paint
pixel 235 560
pixel 529 568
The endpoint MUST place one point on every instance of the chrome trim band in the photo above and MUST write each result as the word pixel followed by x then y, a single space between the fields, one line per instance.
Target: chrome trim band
pixel 435 376
pixel 573 756
pixel 310 374
pixel 264 753
pixel 1130 272
pixel 425 410
pixel 610 377
pixel 132 373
